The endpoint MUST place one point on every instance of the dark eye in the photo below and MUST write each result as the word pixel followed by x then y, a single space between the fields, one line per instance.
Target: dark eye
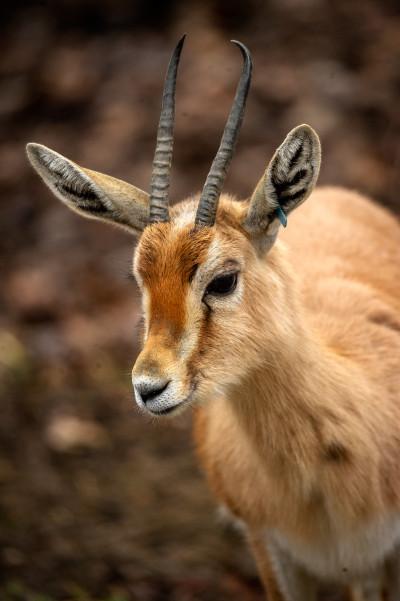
pixel 222 285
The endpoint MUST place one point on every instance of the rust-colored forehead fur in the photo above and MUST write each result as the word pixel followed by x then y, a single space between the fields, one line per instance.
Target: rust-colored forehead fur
pixel 168 255
pixel 166 252
pixel 176 247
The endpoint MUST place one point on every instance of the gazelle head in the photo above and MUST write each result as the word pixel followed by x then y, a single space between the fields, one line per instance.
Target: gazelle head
pixel 209 295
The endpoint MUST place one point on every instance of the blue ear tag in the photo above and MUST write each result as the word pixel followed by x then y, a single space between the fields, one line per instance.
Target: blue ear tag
pixel 281 216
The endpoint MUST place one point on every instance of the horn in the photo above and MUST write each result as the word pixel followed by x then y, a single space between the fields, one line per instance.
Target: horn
pixel 165 140
pixel 208 204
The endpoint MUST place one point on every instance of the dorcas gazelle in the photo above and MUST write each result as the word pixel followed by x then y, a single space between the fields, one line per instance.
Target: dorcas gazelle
pixel 286 342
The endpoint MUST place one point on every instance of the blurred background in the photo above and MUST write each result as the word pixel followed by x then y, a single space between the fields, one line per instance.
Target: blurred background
pixel 96 502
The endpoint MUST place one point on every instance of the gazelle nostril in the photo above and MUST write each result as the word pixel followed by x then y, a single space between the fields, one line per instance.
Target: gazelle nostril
pixel 149 392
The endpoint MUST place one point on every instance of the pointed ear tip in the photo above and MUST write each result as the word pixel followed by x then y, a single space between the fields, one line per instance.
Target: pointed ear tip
pixel 34 150
pixel 31 148
pixel 33 153
pixel 306 129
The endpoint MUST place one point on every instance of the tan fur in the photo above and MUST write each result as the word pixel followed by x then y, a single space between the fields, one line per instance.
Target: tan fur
pixel 295 376
pixel 303 436
pixel 309 441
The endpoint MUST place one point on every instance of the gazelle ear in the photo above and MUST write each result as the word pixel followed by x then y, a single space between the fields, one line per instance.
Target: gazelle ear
pixel 288 180
pixel 91 194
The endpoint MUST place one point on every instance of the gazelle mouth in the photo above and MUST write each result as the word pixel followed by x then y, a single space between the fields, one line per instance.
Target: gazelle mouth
pixel 172 408
pixel 165 411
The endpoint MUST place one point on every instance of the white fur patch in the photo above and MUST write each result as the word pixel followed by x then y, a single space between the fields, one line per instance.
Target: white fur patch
pixel 348 554
pixel 185 217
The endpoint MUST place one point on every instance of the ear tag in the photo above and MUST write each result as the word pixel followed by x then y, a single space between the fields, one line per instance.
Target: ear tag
pixel 281 216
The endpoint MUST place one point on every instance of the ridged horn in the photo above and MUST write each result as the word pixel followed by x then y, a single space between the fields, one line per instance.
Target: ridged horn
pixel 161 169
pixel 208 204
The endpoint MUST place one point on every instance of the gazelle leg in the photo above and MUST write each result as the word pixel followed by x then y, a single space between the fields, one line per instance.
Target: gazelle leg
pixel 265 569
pixel 392 584
pixel 370 587
pixel 282 578
pixel 370 590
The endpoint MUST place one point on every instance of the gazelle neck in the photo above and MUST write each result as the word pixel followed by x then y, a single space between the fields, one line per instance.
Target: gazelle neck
pixel 290 405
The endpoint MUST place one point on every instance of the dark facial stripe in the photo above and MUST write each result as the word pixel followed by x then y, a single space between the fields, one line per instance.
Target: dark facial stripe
pixel 193 272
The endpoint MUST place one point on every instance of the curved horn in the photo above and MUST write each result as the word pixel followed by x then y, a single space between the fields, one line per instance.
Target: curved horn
pixel 208 204
pixel 165 140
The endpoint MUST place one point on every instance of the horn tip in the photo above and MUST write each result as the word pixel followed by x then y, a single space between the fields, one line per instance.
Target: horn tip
pixel 182 40
pixel 237 43
pixel 244 50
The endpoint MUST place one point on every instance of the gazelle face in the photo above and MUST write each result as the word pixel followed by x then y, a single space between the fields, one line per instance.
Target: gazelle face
pixel 200 266
pixel 193 286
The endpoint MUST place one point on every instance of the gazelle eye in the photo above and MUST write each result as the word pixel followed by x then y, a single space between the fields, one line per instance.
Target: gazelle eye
pixel 222 285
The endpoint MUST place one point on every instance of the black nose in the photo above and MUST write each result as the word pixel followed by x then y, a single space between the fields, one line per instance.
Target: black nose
pixel 150 391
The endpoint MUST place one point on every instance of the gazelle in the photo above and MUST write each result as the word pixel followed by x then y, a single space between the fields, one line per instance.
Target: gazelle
pixel 289 348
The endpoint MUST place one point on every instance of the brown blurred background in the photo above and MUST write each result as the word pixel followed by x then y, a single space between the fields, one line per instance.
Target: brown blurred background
pixel 96 502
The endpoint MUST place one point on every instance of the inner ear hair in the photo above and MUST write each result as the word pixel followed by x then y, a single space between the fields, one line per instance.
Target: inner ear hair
pixel 91 194
pixel 288 180
pixel 66 180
